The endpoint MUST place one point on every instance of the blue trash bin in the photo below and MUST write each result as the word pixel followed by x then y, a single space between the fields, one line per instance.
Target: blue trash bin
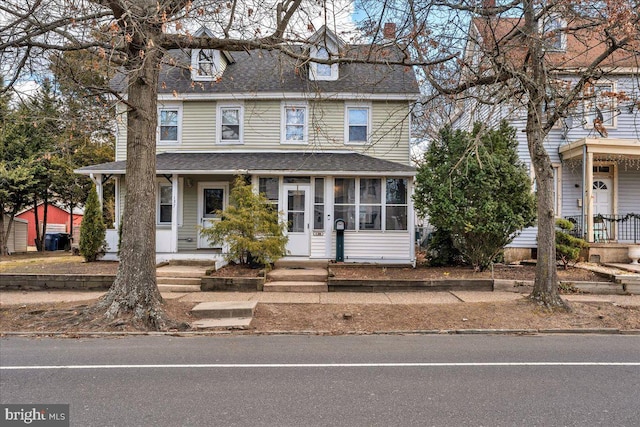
pixel 51 242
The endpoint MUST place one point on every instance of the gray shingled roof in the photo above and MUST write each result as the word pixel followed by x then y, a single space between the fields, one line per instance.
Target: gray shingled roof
pixel 271 71
pixel 284 162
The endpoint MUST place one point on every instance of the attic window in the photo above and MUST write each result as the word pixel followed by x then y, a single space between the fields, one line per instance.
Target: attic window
pixel 322 71
pixel 554 36
pixel 205 64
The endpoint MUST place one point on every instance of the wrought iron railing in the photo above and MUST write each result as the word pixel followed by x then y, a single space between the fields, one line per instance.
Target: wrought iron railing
pixel 622 228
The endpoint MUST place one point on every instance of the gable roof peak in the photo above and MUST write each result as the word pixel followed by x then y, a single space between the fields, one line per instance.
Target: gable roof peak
pixel 325 35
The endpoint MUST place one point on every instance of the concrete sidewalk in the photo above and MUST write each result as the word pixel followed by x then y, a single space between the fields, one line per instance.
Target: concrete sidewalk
pixel 451 297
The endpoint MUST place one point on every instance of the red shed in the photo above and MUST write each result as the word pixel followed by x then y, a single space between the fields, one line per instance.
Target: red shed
pixel 57 221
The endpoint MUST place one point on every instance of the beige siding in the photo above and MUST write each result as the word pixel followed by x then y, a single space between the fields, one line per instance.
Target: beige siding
pixel 262 125
pixel 390 133
pixel 17 239
pixel 198 126
pixel 262 129
pixel 121 134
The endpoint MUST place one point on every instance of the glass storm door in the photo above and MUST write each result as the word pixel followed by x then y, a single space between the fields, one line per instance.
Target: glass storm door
pixel 212 197
pixel 297 210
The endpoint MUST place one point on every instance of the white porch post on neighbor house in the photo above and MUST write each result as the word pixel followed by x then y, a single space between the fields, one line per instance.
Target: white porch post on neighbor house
pixel 97 180
pixel 588 186
pixel 174 213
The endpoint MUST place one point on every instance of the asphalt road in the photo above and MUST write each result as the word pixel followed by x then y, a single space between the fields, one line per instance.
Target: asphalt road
pixel 321 381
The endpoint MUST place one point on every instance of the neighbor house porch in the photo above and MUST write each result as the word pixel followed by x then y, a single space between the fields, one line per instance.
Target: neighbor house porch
pixel 601 194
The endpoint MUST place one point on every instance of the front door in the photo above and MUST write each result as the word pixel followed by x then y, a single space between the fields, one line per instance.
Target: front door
pixel 212 197
pixel 602 196
pixel 297 207
pixel 602 205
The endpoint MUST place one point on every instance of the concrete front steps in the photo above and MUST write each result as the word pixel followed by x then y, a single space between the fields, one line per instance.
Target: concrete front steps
pixel 180 278
pixel 211 315
pixel 298 276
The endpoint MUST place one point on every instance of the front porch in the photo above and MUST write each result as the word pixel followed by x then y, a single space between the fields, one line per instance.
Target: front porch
pixel 601 184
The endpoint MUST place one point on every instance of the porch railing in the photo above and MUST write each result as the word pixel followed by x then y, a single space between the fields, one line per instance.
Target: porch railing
pixel 608 227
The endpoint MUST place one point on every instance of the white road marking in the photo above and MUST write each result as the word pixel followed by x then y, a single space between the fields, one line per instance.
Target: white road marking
pixel 317 365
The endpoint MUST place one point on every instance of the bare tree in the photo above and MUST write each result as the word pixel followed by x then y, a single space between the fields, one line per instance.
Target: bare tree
pixel 134 35
pixel 536 57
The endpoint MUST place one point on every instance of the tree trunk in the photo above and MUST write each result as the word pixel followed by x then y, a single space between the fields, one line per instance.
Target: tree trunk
pixel 71 223
pixel 134 291
pixel 4 237
pixel 545 288
pixel 36 224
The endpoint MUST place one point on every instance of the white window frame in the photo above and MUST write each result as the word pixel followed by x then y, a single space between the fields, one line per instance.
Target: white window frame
pixel 553 23
pixel 358 106
pixel 590 104
pixel 240 108
pixel 215 64
pixel 162 182
pixel 315 52
pixel 169 107
pixel 383 205
pixel 283 127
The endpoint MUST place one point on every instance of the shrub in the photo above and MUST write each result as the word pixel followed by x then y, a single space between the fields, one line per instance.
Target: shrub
pixel 568 247
pixel 92 231
pixel 473 186
pixel 250 228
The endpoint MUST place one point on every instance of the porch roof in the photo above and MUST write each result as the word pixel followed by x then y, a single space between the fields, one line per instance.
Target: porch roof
pixel 607 146
pixel 263 163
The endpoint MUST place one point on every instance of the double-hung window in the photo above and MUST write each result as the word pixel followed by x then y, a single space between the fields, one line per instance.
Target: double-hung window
pixel 600 105
pixel 294 123
pixel 318 71
pixel 169 124
pixel 357 126
pixel 229 124
pixel 165 203
pixel 553 33
pixel 207 64
pixel 269 186
pixel 323 70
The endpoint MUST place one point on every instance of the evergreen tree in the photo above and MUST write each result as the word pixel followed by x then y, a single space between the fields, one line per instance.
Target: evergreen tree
pixel 250 228
pixel 473 186
pixel 92 230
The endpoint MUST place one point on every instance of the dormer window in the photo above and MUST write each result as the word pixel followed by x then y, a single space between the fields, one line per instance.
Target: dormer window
pixel 554 36
pixel 206 64
pixel 322 71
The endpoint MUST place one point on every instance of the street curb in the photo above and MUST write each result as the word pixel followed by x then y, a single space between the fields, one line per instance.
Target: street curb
pixel 589 331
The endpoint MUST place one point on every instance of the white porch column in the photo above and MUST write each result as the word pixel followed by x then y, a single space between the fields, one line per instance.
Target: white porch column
pixel 97 180
pixel 117 203
pixel 411 216
pixel 174 213
pixel 589 195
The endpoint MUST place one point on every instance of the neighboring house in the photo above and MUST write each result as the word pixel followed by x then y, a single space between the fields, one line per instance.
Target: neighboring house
pixel 17 239
pixel 58 220
pixel 322 142
pixel 595 151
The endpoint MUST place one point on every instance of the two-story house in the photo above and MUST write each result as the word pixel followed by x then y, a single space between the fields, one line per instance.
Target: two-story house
pixel 321 141
pixel 595 149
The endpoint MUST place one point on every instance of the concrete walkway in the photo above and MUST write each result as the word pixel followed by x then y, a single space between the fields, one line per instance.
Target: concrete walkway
pixel 37 297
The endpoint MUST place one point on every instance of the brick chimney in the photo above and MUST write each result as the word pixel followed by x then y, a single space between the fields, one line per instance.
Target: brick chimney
pixel 389 31
pixel 486 4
